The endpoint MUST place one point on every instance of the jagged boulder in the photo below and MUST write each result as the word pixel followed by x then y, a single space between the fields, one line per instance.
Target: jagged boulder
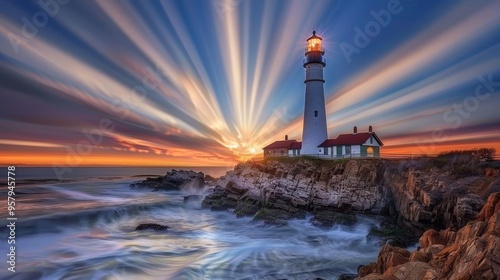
pixel 328 218
pixel 412 271
pixel 293 188
pixel 173 180
pixel 388 257
pixel 152 226
pixel 473 252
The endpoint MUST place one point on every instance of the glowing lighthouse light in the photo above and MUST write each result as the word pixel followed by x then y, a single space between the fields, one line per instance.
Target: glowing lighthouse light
pixel 314 43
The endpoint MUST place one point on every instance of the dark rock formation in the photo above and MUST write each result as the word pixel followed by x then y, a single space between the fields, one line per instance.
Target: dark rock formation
pixel 392 234
pixel 425 198
pixel 389 256
pixel 290 190
pixel 193 198
pixel 347 276
pixel 325 218
pixel 417 196
pixel 174 180
pixel 473 252
pixel 152 226
pixel 415 193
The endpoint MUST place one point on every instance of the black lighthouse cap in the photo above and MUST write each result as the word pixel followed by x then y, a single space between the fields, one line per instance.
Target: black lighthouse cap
pixel 314 36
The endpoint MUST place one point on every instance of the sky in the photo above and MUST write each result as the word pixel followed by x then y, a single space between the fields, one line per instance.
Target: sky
pixel 209 83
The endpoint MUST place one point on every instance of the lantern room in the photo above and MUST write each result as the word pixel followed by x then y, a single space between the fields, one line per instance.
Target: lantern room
pixel 314 51
pixel 314 44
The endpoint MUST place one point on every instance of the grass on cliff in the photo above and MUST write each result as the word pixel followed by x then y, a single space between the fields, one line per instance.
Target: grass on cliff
pixel 460 163
pixel 316 162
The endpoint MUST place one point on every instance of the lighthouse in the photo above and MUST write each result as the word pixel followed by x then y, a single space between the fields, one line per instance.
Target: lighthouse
pixel 314 130
pixel 314 134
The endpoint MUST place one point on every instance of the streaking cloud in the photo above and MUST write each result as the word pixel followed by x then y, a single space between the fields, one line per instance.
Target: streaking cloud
pixel 212 82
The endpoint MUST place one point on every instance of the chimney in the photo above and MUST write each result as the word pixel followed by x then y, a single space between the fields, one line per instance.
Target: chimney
pixel 370 129
pixel 286 137
pixel 355 130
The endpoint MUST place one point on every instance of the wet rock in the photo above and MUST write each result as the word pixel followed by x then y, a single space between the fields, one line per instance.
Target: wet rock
pixel 193 198
pixel 475 252
pixel 389 256
pixel 347 276
pixel 273 216
pixel 365 270
pixel 392 234
pixel 173 180
pixel 247 207
pixel 417 193
pixel 152 226
pixel 209 178
pixel 276 222
pixel 327 219
pixel 472 252
pixel 300 185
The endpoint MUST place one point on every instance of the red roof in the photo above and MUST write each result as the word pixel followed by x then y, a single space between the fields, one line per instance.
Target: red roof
pixel 296 146
pixel 284 144
pixel 350 139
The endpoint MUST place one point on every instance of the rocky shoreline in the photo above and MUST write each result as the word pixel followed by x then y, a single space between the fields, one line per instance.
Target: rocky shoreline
pixel 415 198
pixel 173 180
pixel 473 252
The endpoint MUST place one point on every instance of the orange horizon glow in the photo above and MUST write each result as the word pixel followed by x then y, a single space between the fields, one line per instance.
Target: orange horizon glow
pixel 133 159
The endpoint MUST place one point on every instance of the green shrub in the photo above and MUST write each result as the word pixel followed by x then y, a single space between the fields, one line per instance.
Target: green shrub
pixel 464 163
pixel 463 156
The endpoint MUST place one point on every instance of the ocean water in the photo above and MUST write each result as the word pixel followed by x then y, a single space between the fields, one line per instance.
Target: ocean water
pixel 34 174
pixel 85 229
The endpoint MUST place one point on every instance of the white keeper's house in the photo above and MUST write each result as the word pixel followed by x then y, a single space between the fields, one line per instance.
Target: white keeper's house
pixel 315 140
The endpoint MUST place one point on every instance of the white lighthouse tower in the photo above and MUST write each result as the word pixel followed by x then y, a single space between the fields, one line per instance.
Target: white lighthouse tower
pixel 314 131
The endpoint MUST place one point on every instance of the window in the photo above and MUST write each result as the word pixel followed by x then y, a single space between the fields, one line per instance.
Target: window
pixel 369 152
pixel 371 139
pixel 314 44
pixel 325 151
pixel 316 114
pixel 347 150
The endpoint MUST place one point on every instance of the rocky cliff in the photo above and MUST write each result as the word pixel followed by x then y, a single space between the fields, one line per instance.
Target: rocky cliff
pixel 173 180
pixel 420 194
pixel 473 252
pixel 278 190
pixel 458 207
